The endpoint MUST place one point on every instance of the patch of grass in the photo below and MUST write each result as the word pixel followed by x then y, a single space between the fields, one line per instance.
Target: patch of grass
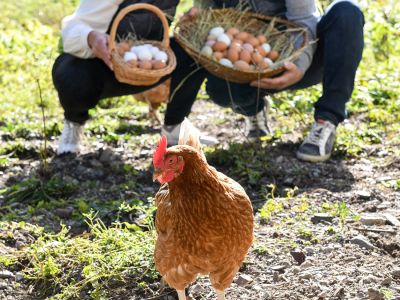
pixel 62 267
pixel 35 190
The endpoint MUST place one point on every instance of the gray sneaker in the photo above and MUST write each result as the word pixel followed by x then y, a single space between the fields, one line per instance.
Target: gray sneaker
pixel 257 126
pixel 172 134
pixel 318 145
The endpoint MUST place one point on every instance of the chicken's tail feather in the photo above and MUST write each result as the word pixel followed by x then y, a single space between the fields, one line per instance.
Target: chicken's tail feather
pixel 189 135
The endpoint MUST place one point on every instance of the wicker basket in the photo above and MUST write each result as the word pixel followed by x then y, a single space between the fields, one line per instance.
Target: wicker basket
pixel 280 32
pixel 136 76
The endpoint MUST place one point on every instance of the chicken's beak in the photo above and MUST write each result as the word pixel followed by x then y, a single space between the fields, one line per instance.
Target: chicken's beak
pixel 157 175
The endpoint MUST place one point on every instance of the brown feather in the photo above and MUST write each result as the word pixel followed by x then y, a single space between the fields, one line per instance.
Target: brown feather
pixel 204 222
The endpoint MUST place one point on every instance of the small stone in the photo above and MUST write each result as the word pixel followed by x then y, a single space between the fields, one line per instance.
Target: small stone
pixel 243 280
pixel 372 219
pixel 306 275
pixel 322 217
pixel 197 290
pixel 362 241
pixel 309 251
pixel 95 163
pixel 279 268
pixel 386 281
pixel 362 194
pixel 6 274
pixel 19 277
pixel 322 295
pixel 106 156
pixel 296 270
pixel 307 264
pixel 64 213
pixel 395 272
pixel 298 256
pixel 392 220
pixel 3 285
pixel 279 160
pixel 375 294
pixel 19 245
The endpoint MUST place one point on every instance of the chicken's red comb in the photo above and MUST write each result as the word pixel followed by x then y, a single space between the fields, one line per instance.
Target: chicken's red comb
pixel 160 151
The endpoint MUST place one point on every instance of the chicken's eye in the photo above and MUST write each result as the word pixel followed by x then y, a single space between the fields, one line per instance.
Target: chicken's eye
pixel 171 160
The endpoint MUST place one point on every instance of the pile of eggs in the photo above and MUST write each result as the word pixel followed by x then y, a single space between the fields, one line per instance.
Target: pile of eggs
pixel 239 49
pixel 144 56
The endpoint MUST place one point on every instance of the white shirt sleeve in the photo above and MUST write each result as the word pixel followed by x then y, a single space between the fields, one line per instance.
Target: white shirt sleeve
pixel 90 15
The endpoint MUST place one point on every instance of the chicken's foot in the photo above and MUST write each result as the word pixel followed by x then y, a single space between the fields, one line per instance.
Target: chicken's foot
pixel 181 294
pixel 220 295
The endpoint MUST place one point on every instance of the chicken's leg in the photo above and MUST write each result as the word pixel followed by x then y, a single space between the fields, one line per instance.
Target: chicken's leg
pixel 181 294
pixel 220 295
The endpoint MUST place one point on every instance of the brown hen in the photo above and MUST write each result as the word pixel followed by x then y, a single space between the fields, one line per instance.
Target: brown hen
pixel 204 219
pixel 155 97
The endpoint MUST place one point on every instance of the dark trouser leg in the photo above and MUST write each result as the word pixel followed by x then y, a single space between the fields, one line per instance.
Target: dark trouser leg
pixel 341 36
pixel 185 83
pixel 242 98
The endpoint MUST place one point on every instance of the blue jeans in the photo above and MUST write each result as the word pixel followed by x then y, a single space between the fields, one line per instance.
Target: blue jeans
pixel 338 54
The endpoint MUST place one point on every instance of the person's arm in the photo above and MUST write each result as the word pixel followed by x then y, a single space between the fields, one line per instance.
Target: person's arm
pixel 303 13
pixel 91 16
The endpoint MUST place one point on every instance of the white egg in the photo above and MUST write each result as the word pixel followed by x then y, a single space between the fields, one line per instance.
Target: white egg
pixel 226 62
pixel 148 46
pixel 266 47
pixel 210 43
pixel 217 31
pixel 130 56
pixel 161 55
pixel 154 50
pixel 268 61
pixel 207 51
pixel 144 54
pixel 137 49
pixel 224 38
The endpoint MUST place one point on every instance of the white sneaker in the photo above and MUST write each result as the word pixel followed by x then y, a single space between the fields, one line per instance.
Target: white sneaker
pixel 172 134
pixel 257 126
pixel 70 138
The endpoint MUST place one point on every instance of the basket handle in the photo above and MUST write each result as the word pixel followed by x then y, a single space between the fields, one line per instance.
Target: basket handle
pixel 139 6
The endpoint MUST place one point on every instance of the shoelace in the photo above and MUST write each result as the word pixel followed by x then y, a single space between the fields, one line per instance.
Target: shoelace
pixel 315 134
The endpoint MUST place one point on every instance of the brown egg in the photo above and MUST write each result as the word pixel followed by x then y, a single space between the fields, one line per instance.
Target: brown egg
pixel 235 47
pixel 145 64
pixel 122 48
pixel 248 47
pixel 256 58
pixel 219 46
pixel 233 31
pixel 218 55
pixel 233 55
pixel 230 36
pixel 245 55
pixel 211 37
pixel 273 55
pixel 242 36
pixel 133 63
pixel 261 51
pixel 237 43
pixel 242 65
pixel 225 53
pixel 254 42
pixel 263 65
pixel 158 64
pixel 262 39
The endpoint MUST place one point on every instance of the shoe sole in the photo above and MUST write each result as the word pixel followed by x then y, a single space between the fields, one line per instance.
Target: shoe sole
pixel 312 158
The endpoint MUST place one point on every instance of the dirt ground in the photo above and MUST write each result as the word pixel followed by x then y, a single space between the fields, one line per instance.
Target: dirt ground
pixel 299 252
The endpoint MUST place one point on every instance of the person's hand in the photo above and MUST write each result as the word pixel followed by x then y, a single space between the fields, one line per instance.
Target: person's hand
pixel 98 42
pixel 194 11
pixel 290 76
